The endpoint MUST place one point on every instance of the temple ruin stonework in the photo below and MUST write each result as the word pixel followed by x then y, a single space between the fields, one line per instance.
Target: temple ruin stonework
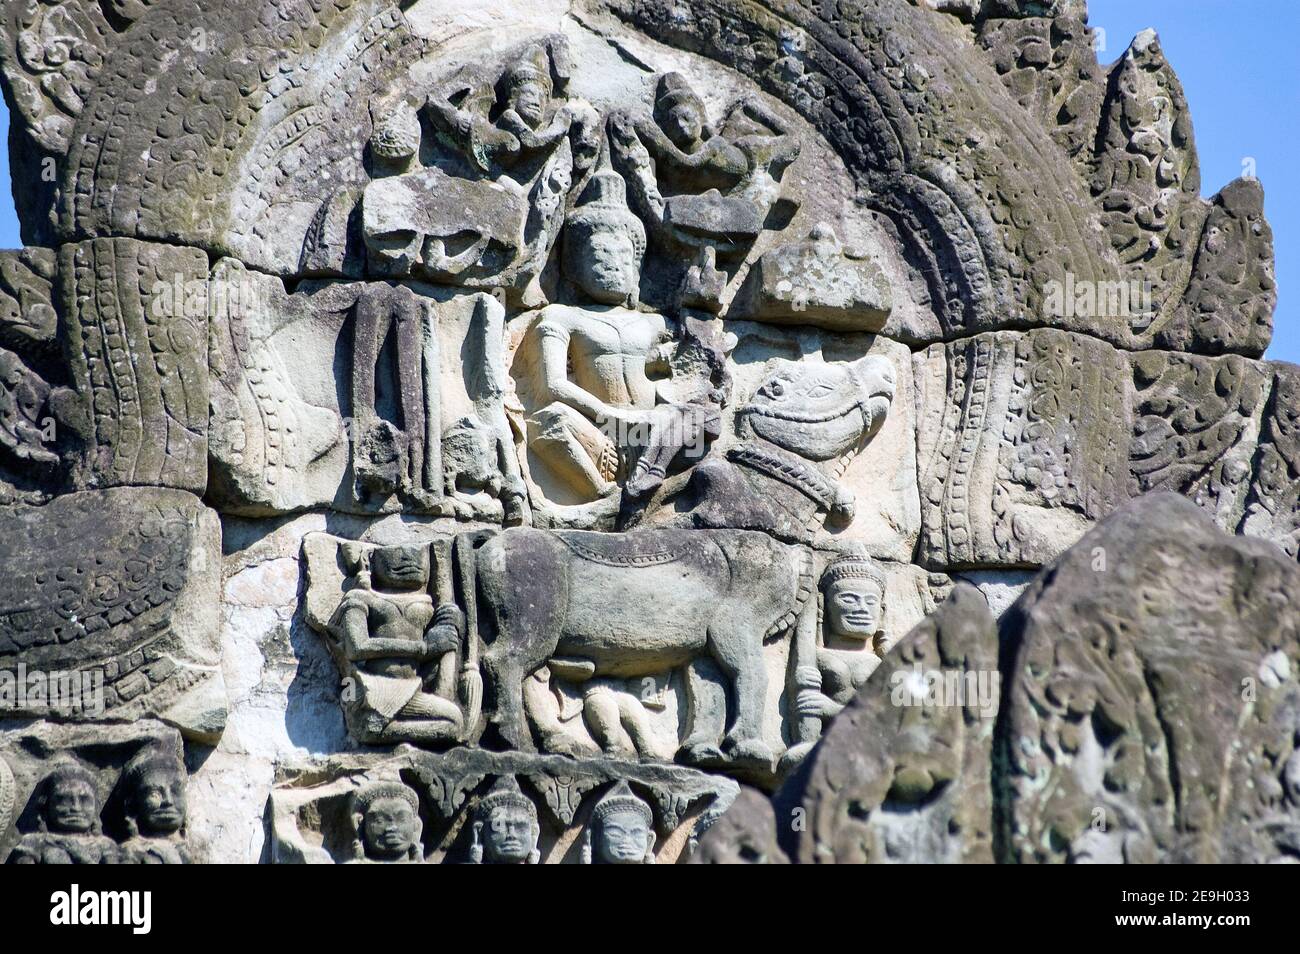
pixel 634 432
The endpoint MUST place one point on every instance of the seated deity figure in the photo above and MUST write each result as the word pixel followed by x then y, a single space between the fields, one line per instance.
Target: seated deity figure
pixel 708 188
pixel 153 785
pixel 597 407
pixel 68 809
pixel 505 829
pixel 398 652
pixel 386 825
pixel 621 830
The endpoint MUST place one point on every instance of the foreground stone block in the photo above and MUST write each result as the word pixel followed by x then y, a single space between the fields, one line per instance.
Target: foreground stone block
pixel 1153 697
pixel 107 610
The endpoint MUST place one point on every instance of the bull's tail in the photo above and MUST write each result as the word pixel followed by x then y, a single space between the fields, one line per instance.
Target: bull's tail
pixel 804 587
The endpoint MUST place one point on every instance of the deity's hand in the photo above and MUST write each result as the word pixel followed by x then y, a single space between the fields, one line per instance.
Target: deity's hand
pixel 440 640
pixel 809 677
pixel 449 614
pixel 810 702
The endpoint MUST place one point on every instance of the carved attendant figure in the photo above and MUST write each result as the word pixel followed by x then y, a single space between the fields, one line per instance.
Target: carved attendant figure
pixel 154 803
pixel 621 830
pixel 505 827
pixel 386 824
pixel 68 810
pixel 399 652
pixel 711 190
pixel 853 591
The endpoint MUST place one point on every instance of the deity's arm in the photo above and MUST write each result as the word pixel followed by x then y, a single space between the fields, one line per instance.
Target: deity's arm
pixel 534 140
pixel 556 385
pixel 359 645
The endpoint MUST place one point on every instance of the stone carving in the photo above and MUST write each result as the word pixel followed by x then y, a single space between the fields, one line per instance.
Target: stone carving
pixel 94 795
pixel 701 187
pixel 265 440
pixel 505 827
pixel 138 345
pixel 408 672
pixel 68 807
pixel 596 421
pixel 797 435
pixel 551 805
pixel 386 824
pixel 904 774
pixel 627 377
pixel 1022 444
pixel 491 221
pixel 1196 423
pixel 621 830
pixel 1109 668
pixel 731 590
pixel 1273 504
pixel 153 803
pixel 827 678
pixel 112 591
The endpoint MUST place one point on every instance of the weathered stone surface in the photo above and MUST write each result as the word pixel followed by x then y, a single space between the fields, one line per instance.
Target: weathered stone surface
pixel 1273 504
pixel 136 337
pixel 1152 699
pixel 1022 441
pixel 113 590
pixel 744 835
pixel 75 795
pixel 1196 422
pixel 616 379
pixel 463 801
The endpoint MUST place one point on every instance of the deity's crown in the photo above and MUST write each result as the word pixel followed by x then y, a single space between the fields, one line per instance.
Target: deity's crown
pixel 68 769
pixel 853 567
pixel 505 793
pixel 151 756
pixel 674 89
pixel 620 799
pixel 603 205
pixel 364 798
pixel 533 67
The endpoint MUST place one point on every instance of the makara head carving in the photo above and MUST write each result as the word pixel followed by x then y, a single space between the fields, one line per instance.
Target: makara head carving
pixel 386 822
pixel 820 411
pixel 605 242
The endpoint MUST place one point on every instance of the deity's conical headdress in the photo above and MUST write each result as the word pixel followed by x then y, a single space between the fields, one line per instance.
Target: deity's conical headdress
pixel 505 793
pixel 621 799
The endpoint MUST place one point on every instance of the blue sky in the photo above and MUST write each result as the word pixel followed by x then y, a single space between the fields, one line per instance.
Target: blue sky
pixel 1238 65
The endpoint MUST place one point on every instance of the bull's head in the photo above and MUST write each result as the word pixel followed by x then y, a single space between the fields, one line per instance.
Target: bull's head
pixel 820 411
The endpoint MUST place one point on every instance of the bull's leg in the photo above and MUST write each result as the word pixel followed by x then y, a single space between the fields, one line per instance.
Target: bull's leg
pixel 740 653
pixel 521 585
pixel 706 697
pixel 506 677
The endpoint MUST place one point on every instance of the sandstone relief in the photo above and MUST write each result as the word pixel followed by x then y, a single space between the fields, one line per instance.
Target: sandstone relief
pixel 570 432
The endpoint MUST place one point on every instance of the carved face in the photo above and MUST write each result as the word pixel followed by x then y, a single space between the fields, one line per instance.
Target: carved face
pixel 853 608
pixel 529 101
pixel 72 807
pixel 400 568
pixel 511 836
pixel 158 802
pixel 390 829
pixel 623 838
pixel 684 124
pixel 606 266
